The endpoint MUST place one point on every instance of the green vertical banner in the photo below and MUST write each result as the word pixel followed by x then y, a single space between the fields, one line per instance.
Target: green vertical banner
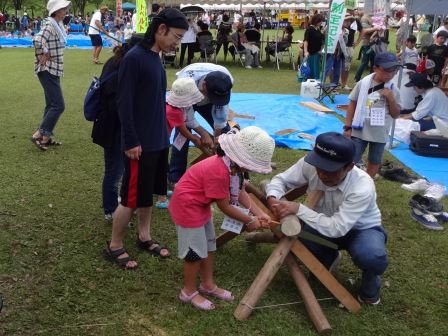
pixel 142 17
pixel 351 4
pixel 337 13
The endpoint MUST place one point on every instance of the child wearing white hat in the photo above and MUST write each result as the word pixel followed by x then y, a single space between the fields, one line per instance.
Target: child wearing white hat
pixel 180 114
pixel 216 179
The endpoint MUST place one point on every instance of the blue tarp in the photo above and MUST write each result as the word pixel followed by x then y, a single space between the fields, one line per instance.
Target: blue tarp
pixel 73 41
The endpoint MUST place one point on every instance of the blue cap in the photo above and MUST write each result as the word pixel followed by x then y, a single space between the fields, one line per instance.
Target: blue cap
pixel 386 60
pixel 218 86
pixel 331 152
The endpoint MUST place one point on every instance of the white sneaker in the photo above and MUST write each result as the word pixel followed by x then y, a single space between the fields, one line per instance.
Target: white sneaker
pixel 435 191
pixel 418 186
pixel 259 67
pixel 346 88
pixel 248 67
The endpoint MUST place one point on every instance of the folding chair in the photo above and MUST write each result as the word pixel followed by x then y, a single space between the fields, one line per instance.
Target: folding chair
pixel 326 90
pixel 207 46
pixel 284 50
pixel 234 50
pixel 169 58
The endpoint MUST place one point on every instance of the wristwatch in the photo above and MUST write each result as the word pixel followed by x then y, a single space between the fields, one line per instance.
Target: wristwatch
pixel 347 128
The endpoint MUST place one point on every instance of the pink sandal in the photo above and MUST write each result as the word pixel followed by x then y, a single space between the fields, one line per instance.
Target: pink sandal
pixel 225 295
pixel 205 305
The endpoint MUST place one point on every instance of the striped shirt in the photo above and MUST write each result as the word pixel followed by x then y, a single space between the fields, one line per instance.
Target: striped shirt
pixel 47 40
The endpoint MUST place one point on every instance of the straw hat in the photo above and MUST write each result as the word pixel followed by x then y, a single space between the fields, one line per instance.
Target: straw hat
pixel 251 148
pixel 54 5
pixel 184 93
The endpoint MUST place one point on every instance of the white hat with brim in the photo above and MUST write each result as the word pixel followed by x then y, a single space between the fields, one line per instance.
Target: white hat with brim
pixel 251 149
pixel 54 5
pixel 184 93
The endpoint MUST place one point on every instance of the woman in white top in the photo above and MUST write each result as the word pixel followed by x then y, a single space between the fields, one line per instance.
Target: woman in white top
pixel 189 40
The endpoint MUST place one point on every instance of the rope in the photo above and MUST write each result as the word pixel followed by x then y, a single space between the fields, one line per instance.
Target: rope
pixel 282 304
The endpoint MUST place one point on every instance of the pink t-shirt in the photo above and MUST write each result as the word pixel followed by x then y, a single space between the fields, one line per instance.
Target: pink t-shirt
pixel 204 182
pixel 175 117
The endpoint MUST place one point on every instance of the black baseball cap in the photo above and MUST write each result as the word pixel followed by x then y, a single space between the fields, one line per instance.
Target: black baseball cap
pixel 331 152
pixel 420 80
pixel 218 86
pixel 386 60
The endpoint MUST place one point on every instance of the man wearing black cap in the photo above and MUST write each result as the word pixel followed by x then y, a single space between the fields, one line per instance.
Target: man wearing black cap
pixel 434 103
pixel 141 108
pixel 347 213
pixel 215 82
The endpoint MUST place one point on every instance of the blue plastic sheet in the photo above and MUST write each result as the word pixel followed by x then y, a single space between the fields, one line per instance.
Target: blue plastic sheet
pixel 73 41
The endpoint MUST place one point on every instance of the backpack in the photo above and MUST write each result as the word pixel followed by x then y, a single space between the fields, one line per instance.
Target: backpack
pixel 92 100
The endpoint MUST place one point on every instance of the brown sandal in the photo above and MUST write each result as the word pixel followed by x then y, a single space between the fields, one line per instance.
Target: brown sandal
pixel 113 256
pixel 43 146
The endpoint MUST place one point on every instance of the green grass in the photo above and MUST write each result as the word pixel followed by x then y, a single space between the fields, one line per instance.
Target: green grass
pixel 55 282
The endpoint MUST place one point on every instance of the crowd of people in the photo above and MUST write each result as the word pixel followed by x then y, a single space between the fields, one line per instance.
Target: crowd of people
pixel 140 128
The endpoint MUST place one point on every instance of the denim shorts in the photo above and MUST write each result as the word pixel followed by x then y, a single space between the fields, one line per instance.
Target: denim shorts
pixel 376 150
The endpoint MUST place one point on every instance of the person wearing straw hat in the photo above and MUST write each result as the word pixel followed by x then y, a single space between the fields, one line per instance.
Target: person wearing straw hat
pixel 347 213
pixel 215 83
pixel 217 179
pixel 180 114
pixel 49 46
pixel 95 28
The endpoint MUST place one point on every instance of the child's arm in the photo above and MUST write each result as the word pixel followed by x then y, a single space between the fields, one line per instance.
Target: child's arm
pixel 252 223
pixel 206 139
pixel 394 108
pixel 190 136
pixel 246 201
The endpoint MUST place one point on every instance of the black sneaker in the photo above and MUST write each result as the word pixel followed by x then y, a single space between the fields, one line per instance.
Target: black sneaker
pixel 397 174
pixel 426 204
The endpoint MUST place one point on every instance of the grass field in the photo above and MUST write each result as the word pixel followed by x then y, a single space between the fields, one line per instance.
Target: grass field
pixel 55 282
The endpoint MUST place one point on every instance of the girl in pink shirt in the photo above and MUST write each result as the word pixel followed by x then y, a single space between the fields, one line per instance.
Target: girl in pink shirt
pixel 180 114
pixel 216 179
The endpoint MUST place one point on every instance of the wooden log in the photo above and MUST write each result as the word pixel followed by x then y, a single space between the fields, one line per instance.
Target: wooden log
pixel 309 299
pixel 263 279
pixel 225 237
pixel 260 237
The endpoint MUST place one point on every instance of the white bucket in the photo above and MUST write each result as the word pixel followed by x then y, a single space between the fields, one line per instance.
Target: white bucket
pixel 310 89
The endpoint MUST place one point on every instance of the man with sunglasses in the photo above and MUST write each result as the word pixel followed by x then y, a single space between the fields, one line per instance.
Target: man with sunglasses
pixel 374 102
pixel 141 109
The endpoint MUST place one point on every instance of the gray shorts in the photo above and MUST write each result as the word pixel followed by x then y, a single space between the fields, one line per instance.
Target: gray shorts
pixel 201 240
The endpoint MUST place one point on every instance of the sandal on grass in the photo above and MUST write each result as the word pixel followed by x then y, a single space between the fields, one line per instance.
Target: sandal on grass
pixel 218 293
pixel 43 146
pixel 114 257
pixel 52 142
pixel 153 247
pixel 204 305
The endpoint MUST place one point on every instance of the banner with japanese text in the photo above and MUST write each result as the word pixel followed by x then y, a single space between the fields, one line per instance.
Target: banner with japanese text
pixel 337 13
pixel 119 8
pixel 142 17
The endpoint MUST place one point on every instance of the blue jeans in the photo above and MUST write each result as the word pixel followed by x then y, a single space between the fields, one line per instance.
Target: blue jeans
pixel 368 55
pixel 179 158
pixel 113 171
pixel 367 250
pixel 336 65
pixel 426 125
pixel 376 150
pixel 54 102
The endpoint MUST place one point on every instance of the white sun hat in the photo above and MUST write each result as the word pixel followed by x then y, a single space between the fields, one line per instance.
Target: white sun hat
pixel 184 93
pixel 54 5
pixel 251 148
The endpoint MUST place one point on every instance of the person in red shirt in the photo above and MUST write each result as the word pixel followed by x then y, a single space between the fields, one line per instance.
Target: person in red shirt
pixel 180 114
pixel 216 179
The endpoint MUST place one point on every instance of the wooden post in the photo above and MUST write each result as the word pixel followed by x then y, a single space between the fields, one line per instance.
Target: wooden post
pixel 309 299
pixel 263 279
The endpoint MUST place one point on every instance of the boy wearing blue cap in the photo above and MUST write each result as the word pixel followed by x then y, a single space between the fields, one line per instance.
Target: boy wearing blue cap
pixel 346 214
pixel 374 102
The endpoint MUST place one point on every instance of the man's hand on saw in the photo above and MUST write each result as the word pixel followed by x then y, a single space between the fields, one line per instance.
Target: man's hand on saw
pixel 285 208
pixel 207 141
